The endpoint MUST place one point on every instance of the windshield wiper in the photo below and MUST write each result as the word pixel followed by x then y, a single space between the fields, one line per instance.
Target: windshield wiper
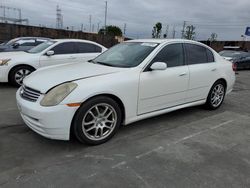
pixel 91 61
pixel 103 63
pixel 98 62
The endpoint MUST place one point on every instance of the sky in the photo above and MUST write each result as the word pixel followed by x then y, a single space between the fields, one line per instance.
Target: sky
pixel 227 18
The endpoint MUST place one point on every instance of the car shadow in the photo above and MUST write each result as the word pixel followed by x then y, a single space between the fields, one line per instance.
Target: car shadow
pixel 143 128
pixel 6 86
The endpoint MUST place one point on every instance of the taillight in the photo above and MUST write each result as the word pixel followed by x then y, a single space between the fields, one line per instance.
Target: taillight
pixel 234 66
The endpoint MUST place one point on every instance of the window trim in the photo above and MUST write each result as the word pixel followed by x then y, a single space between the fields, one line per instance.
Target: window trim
pixel 147 67
pixel 208 50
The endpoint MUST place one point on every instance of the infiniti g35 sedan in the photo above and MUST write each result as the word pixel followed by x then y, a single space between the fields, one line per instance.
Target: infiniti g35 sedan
pixel 15 66
pixel 131 81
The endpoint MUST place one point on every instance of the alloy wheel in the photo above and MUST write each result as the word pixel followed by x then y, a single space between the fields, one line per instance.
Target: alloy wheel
pixel 217 95
pixel 99 122
pixel 20 75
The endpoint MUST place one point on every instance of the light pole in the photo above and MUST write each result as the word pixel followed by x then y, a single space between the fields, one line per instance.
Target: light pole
pixel 106 12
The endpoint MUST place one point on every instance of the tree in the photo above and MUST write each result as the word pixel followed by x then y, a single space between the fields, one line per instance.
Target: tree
pixel 111 30
pixel 213 37
pixel 189 32
pixel 156 32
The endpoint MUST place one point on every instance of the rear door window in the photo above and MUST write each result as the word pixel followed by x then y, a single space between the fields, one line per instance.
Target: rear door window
pixel 196 54
pixel 88 48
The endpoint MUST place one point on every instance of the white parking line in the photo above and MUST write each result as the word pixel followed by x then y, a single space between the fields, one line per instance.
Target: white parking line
pixel 149 152
pixel 119 164
pixel 184 138
pixel 222 124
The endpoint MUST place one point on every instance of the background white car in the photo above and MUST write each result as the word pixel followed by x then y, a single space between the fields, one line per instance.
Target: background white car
pixel 129 82
pixel 22 44
pixel 14 66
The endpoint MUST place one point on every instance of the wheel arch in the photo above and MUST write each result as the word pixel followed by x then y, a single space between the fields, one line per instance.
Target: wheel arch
pixel 220 79
pixel 112 96
pixel 19 65
pixel 223 80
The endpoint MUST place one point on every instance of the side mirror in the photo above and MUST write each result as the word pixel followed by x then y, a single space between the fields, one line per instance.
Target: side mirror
pixel 15 45
pixel 50 53
pixel 158 66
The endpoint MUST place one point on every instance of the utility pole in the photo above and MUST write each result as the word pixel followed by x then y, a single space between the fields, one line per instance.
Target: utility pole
pixel 166 33
pixel 106 13
pixel 183 29
pixel 124 29
pixel 4 13
pixel 90 22
pixel 174 32
pixel 98 26
pixel 59 18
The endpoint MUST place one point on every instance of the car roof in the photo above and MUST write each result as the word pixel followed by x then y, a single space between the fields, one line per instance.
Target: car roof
pixel 73 40
pixel 32 38
pixel 160 41
pixel 77 40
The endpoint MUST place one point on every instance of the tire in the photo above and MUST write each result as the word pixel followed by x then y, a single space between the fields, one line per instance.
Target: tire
pixel 216 95
pixel 95 128
pixel 17 74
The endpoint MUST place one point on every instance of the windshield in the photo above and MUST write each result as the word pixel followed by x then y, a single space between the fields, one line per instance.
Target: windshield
pixel 12 41
pixel 128 54
pixel 41 47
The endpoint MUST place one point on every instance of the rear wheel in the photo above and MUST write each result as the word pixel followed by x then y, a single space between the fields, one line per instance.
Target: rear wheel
pixel 17 74
pixel 97 120
pixel 216 95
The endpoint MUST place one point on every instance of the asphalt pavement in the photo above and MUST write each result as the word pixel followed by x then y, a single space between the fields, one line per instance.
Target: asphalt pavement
pixel 191 147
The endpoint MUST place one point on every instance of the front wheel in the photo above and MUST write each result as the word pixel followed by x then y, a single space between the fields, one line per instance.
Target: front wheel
pixel 17 75
pixel 216 95
pixel 97 120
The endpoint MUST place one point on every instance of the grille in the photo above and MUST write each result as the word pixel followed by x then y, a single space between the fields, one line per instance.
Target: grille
pixel 29 94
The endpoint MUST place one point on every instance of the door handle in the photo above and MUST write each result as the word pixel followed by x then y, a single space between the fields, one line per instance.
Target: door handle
pixel 214 69
pixel 71 57
pixel 183 74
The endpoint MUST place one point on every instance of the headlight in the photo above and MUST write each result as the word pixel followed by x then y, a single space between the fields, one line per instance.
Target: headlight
pixel 4 61
pixel 57 94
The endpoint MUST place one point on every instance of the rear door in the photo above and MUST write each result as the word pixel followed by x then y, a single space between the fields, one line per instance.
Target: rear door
pixel 202 69
pixel 87 51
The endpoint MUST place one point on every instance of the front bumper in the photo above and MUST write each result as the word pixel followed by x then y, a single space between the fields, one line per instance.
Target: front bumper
pixel 50 122
pixel 4 70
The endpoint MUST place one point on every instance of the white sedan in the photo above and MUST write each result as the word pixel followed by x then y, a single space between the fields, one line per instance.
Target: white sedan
pixel 15 66
pixel 134 80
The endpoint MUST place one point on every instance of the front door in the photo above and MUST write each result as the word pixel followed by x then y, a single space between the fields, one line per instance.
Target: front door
pixel 164 88
pixel 65 52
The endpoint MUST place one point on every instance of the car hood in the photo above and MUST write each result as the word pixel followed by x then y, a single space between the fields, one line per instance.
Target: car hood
pixel 46 78
pixel 13 55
